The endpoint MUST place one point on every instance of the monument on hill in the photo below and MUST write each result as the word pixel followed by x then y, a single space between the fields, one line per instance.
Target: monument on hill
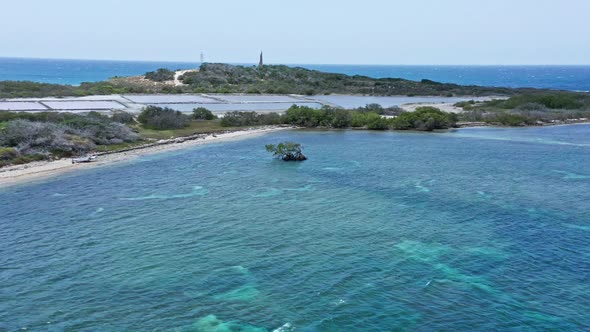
pixel 261 62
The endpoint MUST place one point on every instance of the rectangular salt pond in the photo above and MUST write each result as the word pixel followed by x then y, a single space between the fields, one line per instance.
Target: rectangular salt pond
pixel 258 99
pixel 222 108
pixel 359 101
pixel 21 106
pixel 170 99
pixel 84 105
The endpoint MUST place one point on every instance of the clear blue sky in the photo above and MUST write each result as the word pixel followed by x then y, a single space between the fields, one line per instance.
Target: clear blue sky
pixel 302 31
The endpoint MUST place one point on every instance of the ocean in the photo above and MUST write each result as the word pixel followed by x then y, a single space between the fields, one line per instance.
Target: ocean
pixel 77 71
pixel 480 229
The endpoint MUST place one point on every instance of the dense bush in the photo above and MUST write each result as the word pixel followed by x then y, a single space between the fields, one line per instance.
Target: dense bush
pixel 341 119
pixel 426 119
pixel 7 155
pixel 70 135
pixel 237 119
pixel 271 118
pixel 160 75
pixel 201 113
pixel 26 137
pixel 377 122
pixel 44 138
pixel 306 116
pixel 123 117
pixel 158 118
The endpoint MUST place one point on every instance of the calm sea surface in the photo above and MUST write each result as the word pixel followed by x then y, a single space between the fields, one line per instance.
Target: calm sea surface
pixel 470 230
pixel 77 71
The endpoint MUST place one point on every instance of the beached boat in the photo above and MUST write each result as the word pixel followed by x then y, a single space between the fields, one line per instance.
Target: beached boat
pixel 86 159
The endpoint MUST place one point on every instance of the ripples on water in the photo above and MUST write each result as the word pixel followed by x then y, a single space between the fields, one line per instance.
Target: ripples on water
pixel 377 231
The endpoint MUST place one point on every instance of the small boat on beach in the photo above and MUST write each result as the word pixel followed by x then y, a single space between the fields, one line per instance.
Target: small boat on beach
pixel 86 159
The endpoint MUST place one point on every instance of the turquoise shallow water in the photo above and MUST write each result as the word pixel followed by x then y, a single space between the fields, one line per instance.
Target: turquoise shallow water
pixel 471 230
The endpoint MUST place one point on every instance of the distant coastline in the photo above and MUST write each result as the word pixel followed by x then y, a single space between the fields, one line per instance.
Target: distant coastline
pixel 72 71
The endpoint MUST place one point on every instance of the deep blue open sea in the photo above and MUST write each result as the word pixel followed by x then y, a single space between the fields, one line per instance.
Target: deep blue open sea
pixel 469 230
pixel 77 71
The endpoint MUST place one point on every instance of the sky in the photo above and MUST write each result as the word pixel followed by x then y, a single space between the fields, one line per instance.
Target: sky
pixel 418 32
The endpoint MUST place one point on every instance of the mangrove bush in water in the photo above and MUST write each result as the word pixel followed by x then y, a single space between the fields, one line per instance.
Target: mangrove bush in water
pixel 287 151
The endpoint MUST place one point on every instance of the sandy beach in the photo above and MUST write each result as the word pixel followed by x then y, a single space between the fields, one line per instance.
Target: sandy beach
pixel 19 174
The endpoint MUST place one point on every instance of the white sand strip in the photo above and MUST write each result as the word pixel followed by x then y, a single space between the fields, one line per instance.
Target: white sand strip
pixel 19 174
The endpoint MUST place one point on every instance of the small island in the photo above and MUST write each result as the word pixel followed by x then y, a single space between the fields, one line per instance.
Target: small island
pixel 287 151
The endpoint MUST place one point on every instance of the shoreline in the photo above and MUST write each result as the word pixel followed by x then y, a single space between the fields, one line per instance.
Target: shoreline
pixel 40 170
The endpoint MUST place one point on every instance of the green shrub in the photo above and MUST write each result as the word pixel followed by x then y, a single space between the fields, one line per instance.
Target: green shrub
pixel 238 119
pixel 7 154
pixel 377 122
pixel 358 119
pixel 201 113
pixel 28 159
pixel 158 118
pixel 341 119
pixel 123 117
pixel 305 116
pixel 507 119
pixel 425 118
pixel 160 75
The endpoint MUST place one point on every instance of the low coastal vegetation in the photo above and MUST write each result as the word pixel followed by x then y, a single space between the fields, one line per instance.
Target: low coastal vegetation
pixel 160 75
pixel 201 113
pixel 241 119
pixel 279 79
pixel 25 89
pixel 275 79
pixel 370 117
pixel 26 137
pixel 162 118
pixel 287 151
pixel 528 109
